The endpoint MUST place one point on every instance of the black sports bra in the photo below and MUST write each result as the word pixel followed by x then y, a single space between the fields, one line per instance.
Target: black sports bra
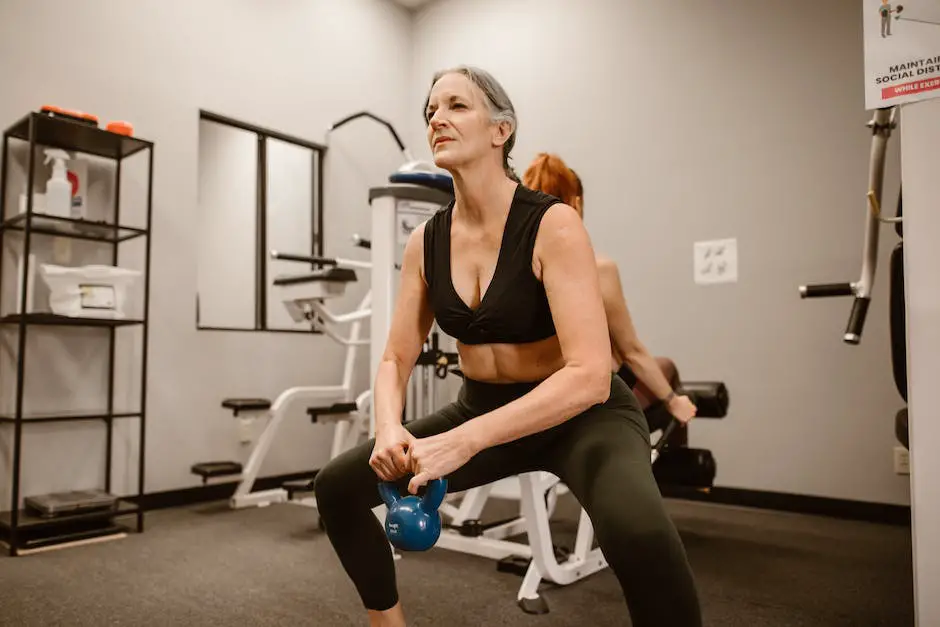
pixel 514 309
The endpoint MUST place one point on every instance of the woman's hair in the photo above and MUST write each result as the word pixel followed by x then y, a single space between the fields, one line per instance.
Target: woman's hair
pixel 500 106
pixel 550 175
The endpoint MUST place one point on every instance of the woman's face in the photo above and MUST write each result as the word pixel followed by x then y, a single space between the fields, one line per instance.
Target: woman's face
pixel 460 128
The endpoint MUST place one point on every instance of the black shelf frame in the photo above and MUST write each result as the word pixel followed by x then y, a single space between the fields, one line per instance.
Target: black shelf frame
pixel 19 528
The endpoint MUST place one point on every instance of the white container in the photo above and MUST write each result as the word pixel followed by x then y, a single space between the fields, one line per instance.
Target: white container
pixel 39 202
pixel 58 187
pixel 93 291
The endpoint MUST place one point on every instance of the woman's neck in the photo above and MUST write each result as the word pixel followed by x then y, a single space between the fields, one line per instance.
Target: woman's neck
pixel 482 194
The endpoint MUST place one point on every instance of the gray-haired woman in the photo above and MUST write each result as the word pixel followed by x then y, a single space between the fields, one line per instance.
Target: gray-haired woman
pixel 510 274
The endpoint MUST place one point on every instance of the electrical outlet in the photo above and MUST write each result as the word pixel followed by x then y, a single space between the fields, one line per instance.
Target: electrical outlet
pixel 715 261
pixel 245 430
pixel 902 461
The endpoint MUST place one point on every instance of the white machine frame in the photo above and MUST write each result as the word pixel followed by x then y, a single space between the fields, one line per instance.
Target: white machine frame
pixel 305 302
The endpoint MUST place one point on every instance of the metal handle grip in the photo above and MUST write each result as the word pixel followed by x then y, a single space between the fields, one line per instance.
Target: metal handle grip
pixel 826 290
pixel 317 261
pixel 853 330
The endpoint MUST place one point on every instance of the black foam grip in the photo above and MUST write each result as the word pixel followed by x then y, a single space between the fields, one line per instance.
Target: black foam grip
pixel 364 243
pixel 710 398
pixel 853 330
pixel 826 290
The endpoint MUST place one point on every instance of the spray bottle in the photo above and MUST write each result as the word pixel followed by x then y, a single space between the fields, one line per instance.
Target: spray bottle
pixel 58 187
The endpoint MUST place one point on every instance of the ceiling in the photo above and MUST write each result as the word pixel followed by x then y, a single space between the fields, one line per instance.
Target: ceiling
pixel 412 4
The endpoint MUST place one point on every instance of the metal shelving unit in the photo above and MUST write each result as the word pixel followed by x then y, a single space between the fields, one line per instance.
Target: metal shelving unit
pixel 20 528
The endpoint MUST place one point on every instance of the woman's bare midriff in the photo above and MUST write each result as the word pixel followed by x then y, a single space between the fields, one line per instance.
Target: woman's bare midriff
pixel 511 363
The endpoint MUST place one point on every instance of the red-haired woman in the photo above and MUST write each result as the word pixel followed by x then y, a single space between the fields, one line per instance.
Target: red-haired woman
pixel 549 174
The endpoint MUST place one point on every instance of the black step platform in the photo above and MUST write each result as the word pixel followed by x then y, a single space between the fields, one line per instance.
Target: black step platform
pixel 298 485
pixel 209 470
pixel 335 408
pixel 246 404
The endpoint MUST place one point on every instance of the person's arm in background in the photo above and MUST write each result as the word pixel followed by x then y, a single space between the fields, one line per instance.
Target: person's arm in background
pixel 627 344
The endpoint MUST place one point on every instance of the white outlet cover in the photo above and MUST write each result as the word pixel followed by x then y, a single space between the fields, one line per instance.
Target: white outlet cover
pixel 715 261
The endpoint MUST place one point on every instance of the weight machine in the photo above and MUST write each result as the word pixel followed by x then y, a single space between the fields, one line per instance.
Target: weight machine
pixel 304 296
pixel 882 124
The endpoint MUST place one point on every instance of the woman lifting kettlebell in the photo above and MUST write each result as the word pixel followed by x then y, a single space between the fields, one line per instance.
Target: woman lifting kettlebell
pixel 510 273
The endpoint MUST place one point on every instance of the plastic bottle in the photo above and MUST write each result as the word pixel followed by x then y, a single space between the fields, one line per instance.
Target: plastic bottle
pixel 58 187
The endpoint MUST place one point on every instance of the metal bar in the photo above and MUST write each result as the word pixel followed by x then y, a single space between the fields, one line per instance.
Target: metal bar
pixel 882 124
pixel 21 356
pixel 3 194
pixel 261 233
pixel 141 454
pixel 314 227
pixel 68 418
pixel 112 338
pixel 320 188
pixel 264 132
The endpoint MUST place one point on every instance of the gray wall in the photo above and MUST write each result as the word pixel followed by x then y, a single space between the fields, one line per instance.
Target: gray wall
pixel 689 121
pixel 294 67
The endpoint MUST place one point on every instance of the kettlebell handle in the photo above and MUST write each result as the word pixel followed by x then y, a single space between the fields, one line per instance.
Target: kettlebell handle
pixel 433 496
pixel 389 493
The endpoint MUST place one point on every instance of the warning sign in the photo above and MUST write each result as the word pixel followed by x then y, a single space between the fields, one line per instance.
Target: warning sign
pixel 902 51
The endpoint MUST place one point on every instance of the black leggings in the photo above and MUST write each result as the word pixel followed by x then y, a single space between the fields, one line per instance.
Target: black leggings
pixel 602 455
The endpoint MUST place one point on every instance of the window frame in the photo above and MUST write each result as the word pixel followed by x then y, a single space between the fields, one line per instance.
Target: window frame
pixel 261 216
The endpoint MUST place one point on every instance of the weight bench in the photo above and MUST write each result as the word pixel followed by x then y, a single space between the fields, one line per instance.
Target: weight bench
pixel 538 558
pixel 673 464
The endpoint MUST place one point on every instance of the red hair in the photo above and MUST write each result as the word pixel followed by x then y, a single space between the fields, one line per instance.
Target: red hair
pixel 548 174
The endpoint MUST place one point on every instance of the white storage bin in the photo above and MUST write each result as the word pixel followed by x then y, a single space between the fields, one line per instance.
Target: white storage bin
pixel 94 291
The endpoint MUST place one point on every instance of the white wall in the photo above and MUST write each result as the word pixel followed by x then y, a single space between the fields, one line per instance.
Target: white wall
pixel 921 138
pixel 291 66
pixel 692 120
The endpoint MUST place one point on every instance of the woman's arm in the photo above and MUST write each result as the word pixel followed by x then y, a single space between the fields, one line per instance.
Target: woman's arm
pixel 411 322
pixel 563 252
pixel 623 334
pixel 627 344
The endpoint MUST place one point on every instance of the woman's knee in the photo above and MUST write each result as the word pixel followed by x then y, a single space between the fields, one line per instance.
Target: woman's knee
pixel 337 483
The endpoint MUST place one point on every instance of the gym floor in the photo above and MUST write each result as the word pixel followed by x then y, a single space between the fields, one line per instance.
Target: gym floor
pixel 207 565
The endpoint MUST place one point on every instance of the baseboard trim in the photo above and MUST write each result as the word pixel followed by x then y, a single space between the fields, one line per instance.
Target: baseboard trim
pixel 759 499
pixel 797 503
pixel 210 492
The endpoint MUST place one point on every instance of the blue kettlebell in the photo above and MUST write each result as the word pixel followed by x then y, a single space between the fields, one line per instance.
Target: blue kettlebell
pixel 413 523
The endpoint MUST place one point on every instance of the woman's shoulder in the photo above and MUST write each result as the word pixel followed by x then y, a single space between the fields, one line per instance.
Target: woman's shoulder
pixel 534 198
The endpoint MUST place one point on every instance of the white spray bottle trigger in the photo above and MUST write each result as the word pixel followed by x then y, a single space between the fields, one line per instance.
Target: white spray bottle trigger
pixel 60 157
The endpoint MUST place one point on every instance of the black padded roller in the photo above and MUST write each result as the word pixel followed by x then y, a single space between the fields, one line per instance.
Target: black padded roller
pixel 710 397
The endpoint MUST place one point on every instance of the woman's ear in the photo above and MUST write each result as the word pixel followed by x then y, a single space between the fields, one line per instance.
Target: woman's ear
pixel 502 132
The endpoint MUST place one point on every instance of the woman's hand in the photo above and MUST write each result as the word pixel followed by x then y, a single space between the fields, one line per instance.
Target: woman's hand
pixel 682 408
pixel 389 457
pixel 436 456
